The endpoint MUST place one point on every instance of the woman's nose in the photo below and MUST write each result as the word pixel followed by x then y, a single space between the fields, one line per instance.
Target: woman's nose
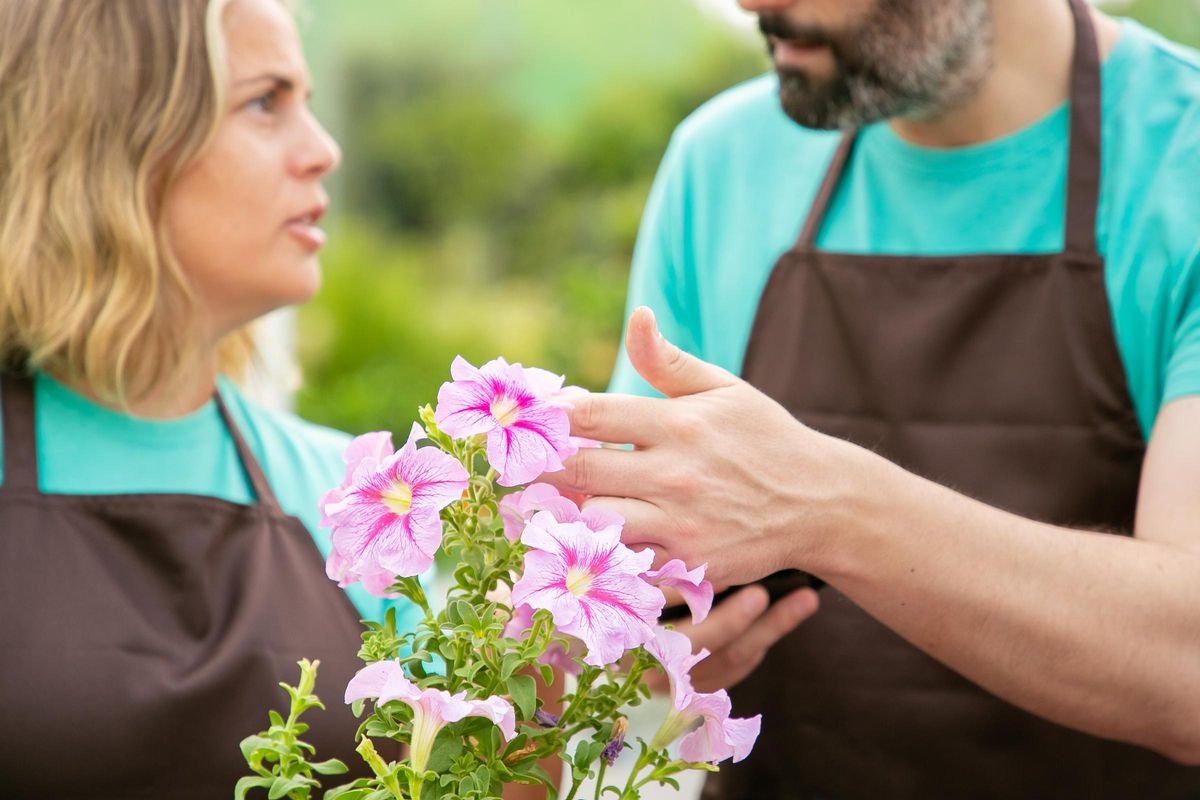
pixel 318 153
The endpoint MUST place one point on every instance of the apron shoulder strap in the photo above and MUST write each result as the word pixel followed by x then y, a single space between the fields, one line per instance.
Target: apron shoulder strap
pixel 829 186
pixel 1084 166
pixel 20 435
pixel 254 472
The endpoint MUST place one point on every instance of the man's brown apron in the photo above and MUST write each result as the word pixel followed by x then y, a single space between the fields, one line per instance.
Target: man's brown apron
pixel 143 636
pixel 997 375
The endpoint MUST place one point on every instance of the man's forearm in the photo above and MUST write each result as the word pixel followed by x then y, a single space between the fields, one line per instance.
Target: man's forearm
pixel 1094 631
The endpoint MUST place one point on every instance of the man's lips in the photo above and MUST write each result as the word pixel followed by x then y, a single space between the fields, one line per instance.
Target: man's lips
pixel 796 52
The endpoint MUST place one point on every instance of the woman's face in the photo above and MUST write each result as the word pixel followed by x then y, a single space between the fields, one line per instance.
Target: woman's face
pixel 242 220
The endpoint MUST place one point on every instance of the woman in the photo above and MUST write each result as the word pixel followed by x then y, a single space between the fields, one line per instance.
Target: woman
pixel 160 554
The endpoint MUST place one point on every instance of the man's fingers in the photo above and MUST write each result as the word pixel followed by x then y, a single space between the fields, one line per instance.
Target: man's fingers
pixel 618 418
pixel 781 619
pixel 645 524
pixel 664 366
pixel 732 663
pixel 601 471
pixel 728 620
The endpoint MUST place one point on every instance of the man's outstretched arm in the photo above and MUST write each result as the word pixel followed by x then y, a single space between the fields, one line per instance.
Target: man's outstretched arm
pixel 1095 631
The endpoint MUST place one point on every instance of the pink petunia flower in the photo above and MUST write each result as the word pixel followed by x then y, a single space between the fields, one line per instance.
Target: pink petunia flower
pixel 591 584
pixel 387 519
pixel 376 582
pixel 674 652
pixel 696 592
pixel 518 508
pixel 549 387
pixel 701 719
pixel 432 709
pixel 369 448
pixel 526 436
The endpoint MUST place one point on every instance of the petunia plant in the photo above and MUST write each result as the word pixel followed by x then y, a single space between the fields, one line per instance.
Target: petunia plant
pixel 547 628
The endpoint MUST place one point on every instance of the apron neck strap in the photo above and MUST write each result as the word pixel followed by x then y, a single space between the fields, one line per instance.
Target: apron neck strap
pixel 1083 172
pixel 20 437
pixel 254 472
pixel 829 186
pixel 1084 160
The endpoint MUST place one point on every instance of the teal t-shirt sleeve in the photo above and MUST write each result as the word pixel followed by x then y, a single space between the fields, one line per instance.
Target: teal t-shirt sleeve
pixel 1183 364
pixel 660 276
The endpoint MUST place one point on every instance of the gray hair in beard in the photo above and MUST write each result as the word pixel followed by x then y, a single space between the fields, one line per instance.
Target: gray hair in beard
pixel 908 58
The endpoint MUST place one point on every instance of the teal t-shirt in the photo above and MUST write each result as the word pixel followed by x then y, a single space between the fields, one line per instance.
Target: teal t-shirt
pixel 85 448
pixel 739 178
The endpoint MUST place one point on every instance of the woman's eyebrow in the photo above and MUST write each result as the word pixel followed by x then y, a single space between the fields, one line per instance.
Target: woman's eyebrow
pixel 281 83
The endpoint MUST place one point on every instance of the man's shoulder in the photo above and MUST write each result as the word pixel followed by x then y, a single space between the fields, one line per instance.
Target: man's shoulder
pixel 1156 81
pixel 1153 123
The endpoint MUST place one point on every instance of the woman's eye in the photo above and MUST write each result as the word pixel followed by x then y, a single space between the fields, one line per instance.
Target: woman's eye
pixel 265 103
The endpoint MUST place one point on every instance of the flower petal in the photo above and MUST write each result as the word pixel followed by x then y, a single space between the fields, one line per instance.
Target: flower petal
pixel 696 592
pixel 371 680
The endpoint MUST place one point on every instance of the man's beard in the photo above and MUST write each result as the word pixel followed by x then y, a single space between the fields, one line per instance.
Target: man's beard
pixel 908 58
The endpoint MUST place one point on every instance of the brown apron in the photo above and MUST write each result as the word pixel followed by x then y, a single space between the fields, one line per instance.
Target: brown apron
pixel 997 375
pixel 143 636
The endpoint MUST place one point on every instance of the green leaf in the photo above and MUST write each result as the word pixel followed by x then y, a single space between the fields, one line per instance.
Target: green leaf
pixel 547 674
pixel 346 793
pixel 250 782
pixel 509 665
pixel 524 693
pixel 445 750
pixel 466 612
pixel 252 743
pixel 332 766
pixel 282 786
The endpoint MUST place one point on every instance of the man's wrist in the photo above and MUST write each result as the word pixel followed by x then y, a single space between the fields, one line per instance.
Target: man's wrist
pixel 861 492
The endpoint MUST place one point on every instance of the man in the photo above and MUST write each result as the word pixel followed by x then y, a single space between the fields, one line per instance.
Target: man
pixel 979 416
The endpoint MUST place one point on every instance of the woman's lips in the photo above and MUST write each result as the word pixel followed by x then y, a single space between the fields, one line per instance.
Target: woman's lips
pixel 304 229
pixel 309 235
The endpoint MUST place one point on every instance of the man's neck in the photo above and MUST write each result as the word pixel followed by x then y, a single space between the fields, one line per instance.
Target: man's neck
pixel 1030 76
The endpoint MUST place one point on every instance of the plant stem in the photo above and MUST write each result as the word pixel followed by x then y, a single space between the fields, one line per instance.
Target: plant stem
pixel 575 784
pixel 600 778
pixel 641 763
pixel 585 682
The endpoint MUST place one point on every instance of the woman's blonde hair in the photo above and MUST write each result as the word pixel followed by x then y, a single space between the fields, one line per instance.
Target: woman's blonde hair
pixel 103 104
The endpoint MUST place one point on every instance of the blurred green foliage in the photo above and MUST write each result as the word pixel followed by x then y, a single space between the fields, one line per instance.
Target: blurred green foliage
pixel 498 155
pixel 496 169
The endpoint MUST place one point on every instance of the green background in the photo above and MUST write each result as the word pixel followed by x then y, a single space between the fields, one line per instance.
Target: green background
pixel 497 156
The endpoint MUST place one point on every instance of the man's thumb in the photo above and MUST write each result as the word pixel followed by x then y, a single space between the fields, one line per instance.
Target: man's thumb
pixel 664 366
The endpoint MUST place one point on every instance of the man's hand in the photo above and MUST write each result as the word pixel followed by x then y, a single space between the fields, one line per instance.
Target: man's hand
pixel 738 633
pixel 720 473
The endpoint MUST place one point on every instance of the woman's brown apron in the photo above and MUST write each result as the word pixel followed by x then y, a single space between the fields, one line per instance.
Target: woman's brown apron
pixel 997 375
pixel 143 636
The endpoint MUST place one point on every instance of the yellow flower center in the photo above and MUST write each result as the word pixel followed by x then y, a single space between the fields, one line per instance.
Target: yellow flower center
pixel 505 410
pixel 578 581
pixel 398 498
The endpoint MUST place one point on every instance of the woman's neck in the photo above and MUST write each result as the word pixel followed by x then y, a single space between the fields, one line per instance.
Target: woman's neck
pixel 178 399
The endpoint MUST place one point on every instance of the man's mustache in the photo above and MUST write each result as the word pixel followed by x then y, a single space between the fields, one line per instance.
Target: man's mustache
pixel 779 27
